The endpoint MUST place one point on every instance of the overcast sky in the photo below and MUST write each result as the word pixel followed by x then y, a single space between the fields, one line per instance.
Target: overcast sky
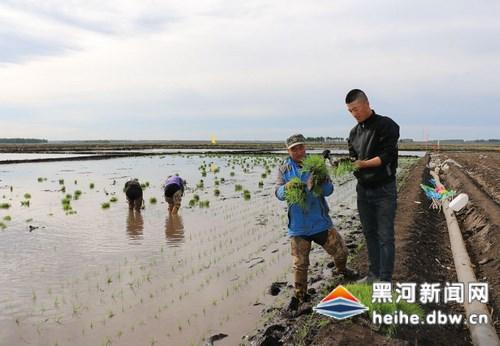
pixel 97 69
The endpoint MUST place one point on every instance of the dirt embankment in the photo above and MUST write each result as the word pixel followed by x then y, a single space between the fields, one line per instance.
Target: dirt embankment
pixel 480 219
pixel 422 255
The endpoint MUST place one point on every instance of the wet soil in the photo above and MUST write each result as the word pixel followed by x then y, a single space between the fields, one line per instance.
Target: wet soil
pixel 422 255
pixel 482 169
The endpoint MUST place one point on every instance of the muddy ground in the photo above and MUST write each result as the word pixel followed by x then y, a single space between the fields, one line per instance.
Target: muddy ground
pixel 423 254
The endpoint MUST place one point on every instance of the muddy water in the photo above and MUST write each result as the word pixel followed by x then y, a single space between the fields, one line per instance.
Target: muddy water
pixel 101 275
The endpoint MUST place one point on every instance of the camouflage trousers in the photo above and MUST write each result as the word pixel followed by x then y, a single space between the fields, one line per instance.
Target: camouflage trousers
pixel 333 244
pixel 175 200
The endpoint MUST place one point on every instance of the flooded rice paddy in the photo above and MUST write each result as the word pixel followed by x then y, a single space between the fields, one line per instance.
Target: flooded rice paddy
pixel 78 273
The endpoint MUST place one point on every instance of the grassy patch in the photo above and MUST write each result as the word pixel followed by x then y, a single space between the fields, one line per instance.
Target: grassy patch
pixel 364 294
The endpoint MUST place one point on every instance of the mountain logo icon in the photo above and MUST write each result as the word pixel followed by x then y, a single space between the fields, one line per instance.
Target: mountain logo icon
pixel 340 304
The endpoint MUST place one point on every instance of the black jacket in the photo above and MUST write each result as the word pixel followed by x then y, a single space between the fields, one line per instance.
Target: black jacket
pixel 376 136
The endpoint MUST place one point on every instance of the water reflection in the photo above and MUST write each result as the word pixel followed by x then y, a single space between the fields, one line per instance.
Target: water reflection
pixel 135 224
pixel 174 230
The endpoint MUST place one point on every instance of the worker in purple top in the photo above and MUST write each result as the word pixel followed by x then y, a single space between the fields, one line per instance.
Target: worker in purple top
pixel 174 190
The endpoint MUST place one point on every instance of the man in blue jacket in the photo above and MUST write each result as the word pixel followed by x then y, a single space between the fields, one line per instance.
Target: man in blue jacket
pixel 308 224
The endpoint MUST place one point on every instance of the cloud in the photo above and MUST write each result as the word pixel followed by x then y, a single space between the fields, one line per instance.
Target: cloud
pixel 221 62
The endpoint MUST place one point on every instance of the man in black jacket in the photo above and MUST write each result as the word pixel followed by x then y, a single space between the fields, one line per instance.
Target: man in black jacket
pixel 373 145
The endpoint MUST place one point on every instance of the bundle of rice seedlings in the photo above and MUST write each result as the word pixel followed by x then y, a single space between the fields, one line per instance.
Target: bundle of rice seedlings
pixel 342 167
pixel 315 164
pixel 295 193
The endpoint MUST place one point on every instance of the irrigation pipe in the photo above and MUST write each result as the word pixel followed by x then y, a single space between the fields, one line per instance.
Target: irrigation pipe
pixel 481 334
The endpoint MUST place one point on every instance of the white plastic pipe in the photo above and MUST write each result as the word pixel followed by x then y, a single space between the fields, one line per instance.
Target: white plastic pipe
pixel 481 334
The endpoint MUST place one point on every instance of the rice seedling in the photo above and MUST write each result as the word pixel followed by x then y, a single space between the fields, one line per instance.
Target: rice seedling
pixel 66 203
pixel 192 202
pixel 315 164
pixel 4 205
pixel 113 199
pixel 222 180
pixel 196 197
pixel 77 194
pixel 238 187
pixel 11 188
pixel 295 193
pixel 40 179
pixel 7 218
pixel 261 183
pixel 61 181
pixel 216 192
pixel 105 205
pixel 63 189
pixel 25 203
pixel 91 185
pixel 152 200
pixel 232 173
pixel 204 204
pixel 76 182
pixel 201 184
pixel 263 175
pixel 2 226
pixel 246 195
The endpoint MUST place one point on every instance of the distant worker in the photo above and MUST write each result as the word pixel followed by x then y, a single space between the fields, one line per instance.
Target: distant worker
pixel 133 191
pixel 373 145
pixel 174 190
pixel 311 223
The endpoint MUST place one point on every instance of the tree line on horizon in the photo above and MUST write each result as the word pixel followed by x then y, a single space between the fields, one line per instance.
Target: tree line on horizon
pixel 22 140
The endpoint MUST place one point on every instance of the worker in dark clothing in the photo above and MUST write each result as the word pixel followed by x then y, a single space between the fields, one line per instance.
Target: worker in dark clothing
pixel 133 191
pixel 373 146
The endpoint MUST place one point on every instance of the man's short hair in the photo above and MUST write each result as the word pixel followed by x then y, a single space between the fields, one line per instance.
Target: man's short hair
pixel 355 95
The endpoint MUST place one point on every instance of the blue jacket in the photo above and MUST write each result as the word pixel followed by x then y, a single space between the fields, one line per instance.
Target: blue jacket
pixel 312 219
